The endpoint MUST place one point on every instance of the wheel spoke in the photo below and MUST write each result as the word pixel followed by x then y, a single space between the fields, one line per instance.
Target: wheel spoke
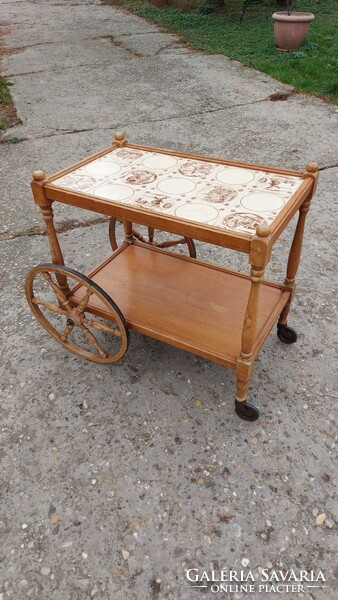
pixel 58 292
pixel 84 302
pixel 49 306
pixel 101 326
pixel 93 341
pixel 64 336
pixel 67 318
pixel 139 236
pixel 170 243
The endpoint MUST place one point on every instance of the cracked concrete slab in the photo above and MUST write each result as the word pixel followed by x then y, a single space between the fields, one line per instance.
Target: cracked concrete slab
pixel 116 479
pixel 150 43
pixel 119 91
pixel 43 58
pixel 31 24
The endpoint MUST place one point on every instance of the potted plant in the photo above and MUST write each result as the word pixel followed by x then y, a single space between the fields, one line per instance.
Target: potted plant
pixel 291 27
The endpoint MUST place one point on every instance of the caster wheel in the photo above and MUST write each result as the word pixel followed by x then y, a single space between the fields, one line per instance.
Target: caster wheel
pixel 148 236
pixel 246 411
pixel 68 319
pixel 286 334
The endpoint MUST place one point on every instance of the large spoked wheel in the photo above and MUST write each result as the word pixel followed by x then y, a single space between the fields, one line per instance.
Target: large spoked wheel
pixel 66 319
pixel 116 237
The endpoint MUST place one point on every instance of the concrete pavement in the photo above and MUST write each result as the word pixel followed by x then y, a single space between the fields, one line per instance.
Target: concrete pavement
pixel 115 480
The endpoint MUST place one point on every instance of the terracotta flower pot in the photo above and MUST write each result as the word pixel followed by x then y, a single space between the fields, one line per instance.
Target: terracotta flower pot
pixel 291 29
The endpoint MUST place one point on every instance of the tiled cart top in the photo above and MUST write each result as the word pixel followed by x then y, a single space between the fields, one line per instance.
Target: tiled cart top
pixel 224 196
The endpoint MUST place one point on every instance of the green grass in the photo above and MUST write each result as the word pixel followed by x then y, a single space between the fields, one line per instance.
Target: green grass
pixel 312 69
pixel 4 91
pixel 5 100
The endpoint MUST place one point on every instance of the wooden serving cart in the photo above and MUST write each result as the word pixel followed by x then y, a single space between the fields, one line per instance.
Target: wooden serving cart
pixel 143 285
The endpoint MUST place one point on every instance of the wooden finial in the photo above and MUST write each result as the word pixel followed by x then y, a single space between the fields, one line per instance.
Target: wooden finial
pixel 312 167
pixel 263 229
pixel 39 175
pixel 120 137
pixel 312 172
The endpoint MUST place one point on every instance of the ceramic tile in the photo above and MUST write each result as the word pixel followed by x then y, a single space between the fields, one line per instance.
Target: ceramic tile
pixel 227 197
pixel 262 202
pixel 103 167
pixel 235 176
pixel 159 162
pixel 118 191
pixel 203 213
pixel 176 185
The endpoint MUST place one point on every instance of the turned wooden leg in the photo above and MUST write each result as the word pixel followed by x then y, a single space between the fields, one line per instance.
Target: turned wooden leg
pixel 259 255
pixel 128 231
pixel 241 386
pixel 244 409
pixel 287 334
pixel 294 259
pixel 48 217
pixel 244 368
pixel 151 233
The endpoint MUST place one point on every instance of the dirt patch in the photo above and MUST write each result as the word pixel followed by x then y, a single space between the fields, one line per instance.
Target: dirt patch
pixel 279 96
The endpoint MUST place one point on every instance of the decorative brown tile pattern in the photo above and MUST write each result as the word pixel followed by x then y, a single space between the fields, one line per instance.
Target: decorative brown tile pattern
pixel 227 197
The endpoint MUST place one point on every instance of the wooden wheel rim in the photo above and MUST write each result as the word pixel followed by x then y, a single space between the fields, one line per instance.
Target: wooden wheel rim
pixel 118 317
pixel 113 241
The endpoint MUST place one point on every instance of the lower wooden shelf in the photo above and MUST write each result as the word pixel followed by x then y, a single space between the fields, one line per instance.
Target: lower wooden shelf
pixel 189 304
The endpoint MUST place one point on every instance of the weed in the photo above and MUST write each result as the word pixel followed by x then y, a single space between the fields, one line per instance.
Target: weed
pixel 14 140
pixel 8 115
